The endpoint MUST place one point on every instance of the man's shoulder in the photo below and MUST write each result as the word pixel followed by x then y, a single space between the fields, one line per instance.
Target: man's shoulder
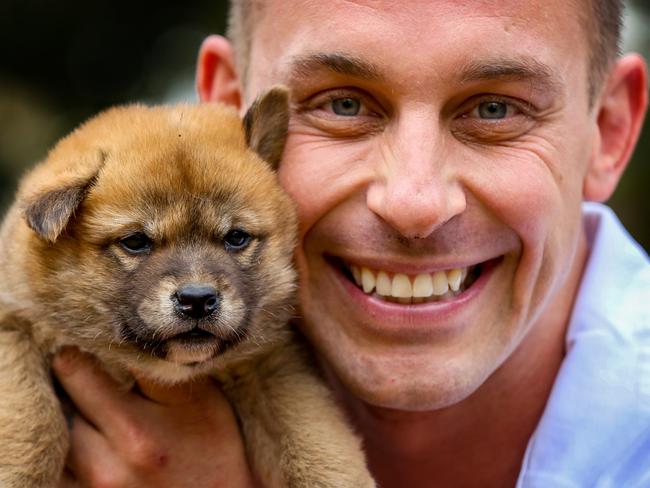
pixel 595 430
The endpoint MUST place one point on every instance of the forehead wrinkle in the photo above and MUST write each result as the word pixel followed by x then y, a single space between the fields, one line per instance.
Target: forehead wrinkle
pixel 511 69
pixel 305 66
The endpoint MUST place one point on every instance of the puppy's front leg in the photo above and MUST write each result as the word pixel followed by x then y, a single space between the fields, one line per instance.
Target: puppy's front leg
pixel 33 434
pixel 295 435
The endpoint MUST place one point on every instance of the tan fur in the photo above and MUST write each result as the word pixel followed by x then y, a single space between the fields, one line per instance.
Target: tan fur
pixel 185 177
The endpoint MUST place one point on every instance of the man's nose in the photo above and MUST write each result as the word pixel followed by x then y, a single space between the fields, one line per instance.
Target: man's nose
pixel 415 190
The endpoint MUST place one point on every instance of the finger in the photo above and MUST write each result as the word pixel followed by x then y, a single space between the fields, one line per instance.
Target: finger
pixel 91 459
pixel 95 393
pixel 176 394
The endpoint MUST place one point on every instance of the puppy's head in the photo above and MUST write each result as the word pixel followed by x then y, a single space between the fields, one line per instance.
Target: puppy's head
pixel 161 237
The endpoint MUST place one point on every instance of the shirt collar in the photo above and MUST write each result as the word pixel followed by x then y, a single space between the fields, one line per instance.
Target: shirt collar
pixel 598 415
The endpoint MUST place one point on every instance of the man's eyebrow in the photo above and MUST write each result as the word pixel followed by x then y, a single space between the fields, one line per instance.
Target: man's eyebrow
pixel 529 69
pixel 304 66
pixel 510 69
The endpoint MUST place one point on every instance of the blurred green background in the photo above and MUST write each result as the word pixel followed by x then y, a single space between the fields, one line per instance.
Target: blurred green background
pixel 61 62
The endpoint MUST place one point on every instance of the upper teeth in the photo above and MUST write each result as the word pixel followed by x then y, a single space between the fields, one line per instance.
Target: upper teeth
pixel 400 285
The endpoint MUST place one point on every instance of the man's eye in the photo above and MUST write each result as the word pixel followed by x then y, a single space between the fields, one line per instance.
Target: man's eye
pixel 347 107
pixel 493 110
pixel 342 112
pixel 136 243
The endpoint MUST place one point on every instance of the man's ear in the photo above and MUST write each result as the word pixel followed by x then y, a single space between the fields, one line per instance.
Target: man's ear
pixel 49 210
pixel 266 124
pixel 621 111
pixel 216 74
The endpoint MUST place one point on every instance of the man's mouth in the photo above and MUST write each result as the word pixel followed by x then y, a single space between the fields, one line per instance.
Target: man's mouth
pixel 405 288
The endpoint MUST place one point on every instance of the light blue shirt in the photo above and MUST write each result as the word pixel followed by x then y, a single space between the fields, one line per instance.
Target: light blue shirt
pixel 595 430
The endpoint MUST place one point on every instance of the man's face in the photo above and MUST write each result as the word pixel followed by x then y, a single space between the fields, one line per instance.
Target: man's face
pixel 430 140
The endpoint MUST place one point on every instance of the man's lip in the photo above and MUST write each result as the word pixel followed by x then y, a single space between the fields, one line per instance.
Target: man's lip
pixel 388 318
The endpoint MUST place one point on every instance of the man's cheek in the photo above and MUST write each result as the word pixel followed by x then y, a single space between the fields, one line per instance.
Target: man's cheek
pixel 319 174
pixel 520 188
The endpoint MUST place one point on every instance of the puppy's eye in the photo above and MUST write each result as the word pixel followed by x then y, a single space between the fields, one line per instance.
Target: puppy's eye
pixel 136 243
pixel 236 240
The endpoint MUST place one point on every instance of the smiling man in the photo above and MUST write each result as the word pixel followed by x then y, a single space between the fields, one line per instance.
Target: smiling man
pixel 479 324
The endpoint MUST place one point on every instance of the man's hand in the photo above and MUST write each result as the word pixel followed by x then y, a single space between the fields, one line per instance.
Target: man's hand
pixel 174 437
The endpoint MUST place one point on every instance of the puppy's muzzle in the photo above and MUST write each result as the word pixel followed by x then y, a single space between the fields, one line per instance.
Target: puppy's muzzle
pixel 196 301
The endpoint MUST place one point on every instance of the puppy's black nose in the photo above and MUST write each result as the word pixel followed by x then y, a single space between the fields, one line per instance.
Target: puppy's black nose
pixel 196 301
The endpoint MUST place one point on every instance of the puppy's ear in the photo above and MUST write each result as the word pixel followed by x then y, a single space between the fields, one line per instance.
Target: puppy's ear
pixel 49 211
pixel 266 123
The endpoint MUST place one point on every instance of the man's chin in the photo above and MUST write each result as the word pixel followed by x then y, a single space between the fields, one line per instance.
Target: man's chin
pixel 385 388
pixel 410 398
